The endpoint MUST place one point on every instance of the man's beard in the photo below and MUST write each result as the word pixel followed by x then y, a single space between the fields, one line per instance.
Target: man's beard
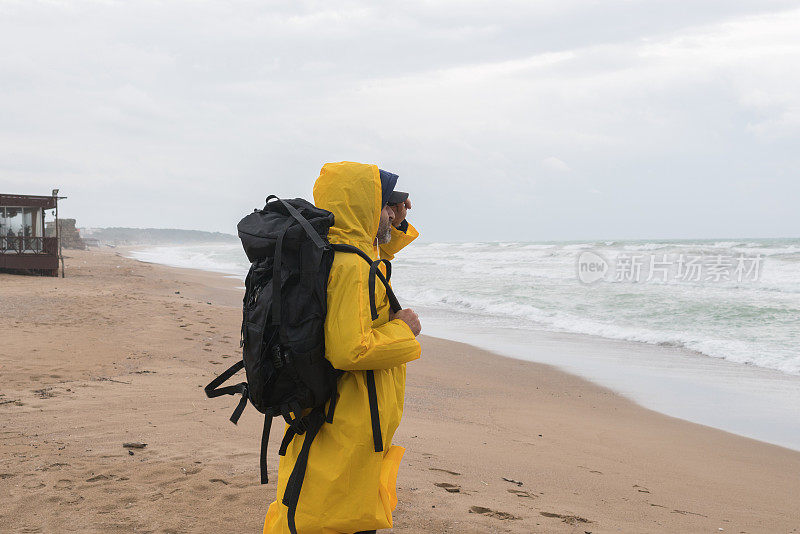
pixel 384 232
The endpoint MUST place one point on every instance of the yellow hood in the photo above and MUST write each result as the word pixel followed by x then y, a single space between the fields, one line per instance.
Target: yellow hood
pixel 352 192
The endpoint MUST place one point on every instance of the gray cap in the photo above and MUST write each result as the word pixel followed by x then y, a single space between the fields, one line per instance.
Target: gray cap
pixel 396 197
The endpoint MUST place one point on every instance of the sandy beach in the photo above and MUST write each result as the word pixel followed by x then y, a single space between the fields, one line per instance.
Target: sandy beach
pixel 119 350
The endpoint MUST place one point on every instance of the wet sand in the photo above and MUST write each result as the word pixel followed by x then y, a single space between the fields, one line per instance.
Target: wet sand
pixel 119 351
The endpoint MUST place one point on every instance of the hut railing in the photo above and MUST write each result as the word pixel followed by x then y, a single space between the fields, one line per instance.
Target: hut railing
pixel 29 245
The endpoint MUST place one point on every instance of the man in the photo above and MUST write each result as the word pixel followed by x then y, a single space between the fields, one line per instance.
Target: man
pixel 348 487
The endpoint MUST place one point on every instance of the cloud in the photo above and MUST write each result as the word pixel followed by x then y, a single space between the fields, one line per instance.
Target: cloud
pixel 187 114
pixel 554 164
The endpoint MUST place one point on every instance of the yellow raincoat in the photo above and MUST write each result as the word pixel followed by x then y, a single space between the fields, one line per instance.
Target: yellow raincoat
pixel 348 487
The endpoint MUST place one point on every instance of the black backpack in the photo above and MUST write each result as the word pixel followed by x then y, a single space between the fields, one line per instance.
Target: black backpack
pixel 282 337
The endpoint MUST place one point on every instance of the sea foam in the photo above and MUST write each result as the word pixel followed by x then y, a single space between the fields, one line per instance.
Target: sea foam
pixel 534 285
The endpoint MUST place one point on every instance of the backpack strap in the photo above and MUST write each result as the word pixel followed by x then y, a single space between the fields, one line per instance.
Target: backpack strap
pixel 332 404
pixel 288 436
pixel 276 267
pixel 264 443
pixel 373 270
pixel 377 438
pixel 313 234
pixel 213 389
pixel 393 302
pixel 276 278
pixel 291 431
pixel 298 425
pixel 298 422
pixel 291 495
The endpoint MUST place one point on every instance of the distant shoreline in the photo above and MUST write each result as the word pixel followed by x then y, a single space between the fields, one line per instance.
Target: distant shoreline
pixel 124 236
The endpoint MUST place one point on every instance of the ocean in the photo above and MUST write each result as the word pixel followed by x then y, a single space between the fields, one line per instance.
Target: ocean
pixel 703 330
pixel 737 300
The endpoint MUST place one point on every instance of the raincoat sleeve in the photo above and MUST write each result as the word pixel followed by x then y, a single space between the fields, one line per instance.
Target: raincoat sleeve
pixel 352 343
pixel 399 240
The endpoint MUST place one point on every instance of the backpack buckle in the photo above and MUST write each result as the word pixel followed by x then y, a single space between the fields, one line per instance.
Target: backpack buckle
pixel 301 426
pixel 297 423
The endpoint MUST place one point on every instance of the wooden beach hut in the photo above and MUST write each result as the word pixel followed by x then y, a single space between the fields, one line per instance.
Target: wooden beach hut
pixel 23 245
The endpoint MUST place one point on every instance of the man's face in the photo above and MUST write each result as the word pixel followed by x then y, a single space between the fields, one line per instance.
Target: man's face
pixel 385 226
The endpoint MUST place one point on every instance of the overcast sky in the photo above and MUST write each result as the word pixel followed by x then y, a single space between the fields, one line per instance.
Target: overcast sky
pixel 505 120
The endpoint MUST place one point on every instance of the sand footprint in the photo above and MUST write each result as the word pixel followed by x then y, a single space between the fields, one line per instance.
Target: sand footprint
pixel 566 518
pixel 488 512
pixel 595 471
pixel 191 470
pixel 450 488
pixel 444 471
pixel 44 393
pixel 72 499
pixel 64 484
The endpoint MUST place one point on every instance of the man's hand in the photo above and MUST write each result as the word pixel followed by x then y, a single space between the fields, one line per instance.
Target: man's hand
pixel 400 212
pixel 409 317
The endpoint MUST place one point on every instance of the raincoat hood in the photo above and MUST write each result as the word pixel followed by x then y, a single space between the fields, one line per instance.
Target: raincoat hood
pixel 353 193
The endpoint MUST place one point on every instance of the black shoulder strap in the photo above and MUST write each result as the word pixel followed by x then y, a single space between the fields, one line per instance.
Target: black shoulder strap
pixel 377 437
pixel 373 270
pixel 393 302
